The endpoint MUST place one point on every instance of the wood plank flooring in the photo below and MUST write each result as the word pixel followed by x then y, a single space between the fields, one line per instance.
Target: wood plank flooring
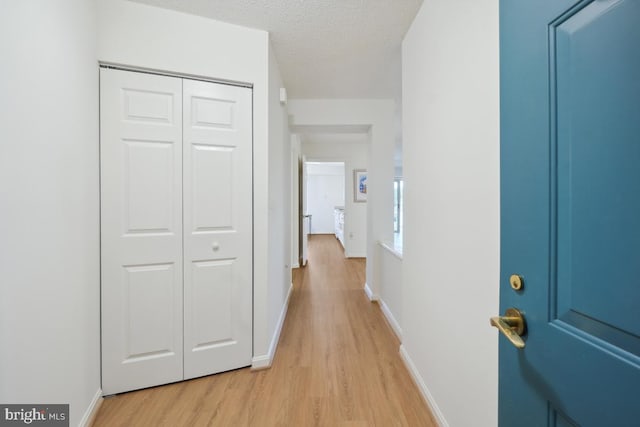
pixel 337 364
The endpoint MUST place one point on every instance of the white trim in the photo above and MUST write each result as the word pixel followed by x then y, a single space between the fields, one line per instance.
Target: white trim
pixel 370 294
pixel 261 362
pixel 135 69
pixel 350 254
pixel 391 319
pixel 424 390
pixel 296 265
pixel 91 412
pixel 391 249
pixel 264 361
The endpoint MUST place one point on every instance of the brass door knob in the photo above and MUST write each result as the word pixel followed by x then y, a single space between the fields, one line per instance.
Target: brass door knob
pixel 512 325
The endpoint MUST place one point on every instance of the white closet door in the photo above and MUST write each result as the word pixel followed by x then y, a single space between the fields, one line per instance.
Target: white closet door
pixel 141 230
pixel 217 228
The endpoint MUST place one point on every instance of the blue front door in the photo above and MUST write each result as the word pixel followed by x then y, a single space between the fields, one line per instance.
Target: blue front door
pixel 570 211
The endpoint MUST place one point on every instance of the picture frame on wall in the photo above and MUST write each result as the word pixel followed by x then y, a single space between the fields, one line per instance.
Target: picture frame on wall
pixel 359 185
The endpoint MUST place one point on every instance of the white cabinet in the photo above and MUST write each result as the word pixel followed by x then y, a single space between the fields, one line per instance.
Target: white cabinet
pixel 338 217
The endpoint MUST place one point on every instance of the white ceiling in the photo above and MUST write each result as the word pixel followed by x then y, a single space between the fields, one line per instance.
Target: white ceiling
pixel 325 48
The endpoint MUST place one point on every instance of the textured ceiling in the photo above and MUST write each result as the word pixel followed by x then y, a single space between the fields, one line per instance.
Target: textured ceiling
pixel 325 48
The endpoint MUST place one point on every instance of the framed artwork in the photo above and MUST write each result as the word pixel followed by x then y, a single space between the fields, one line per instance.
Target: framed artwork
pixel 359 185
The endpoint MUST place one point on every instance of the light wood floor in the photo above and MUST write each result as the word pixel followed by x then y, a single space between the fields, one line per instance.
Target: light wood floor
pixel 337 364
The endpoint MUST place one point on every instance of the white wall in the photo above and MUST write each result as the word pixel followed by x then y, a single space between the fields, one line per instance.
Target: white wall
pixel 325 191
pixel 378 115
pixel 451 240
pixel 389 270
pixel 279 211
pixel 140 35
pixel 49 246
pixel 353 151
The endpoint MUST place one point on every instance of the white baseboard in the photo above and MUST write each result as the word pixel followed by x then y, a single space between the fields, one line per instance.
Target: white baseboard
pixel 370 294
pixel 261 362
pixel 391 319
pixel 92 410
pixel 264 361
pixel 424 390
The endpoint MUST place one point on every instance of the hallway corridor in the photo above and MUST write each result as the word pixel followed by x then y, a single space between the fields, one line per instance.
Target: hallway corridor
pixel 337 364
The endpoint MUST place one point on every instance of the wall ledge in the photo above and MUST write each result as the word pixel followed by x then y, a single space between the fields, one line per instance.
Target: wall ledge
pixel 391 249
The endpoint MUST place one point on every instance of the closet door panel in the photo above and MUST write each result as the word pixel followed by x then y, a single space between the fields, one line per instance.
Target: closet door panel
pixel 141 230
pixel 217 227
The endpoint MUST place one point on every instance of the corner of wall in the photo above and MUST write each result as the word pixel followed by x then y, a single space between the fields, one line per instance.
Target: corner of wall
pixel 92 411
pixel 264 361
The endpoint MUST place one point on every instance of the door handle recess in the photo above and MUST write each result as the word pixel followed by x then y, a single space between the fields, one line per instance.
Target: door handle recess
pixel 512 325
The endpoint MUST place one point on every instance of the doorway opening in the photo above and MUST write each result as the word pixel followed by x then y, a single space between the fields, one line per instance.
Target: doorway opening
pixel 325 189
pixel 333 160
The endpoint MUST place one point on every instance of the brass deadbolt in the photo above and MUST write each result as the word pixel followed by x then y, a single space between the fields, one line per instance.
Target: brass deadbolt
pixel 517 282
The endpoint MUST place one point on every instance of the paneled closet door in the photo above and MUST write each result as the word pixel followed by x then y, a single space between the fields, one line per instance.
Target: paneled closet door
pixel 217 227
pixel 141 230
